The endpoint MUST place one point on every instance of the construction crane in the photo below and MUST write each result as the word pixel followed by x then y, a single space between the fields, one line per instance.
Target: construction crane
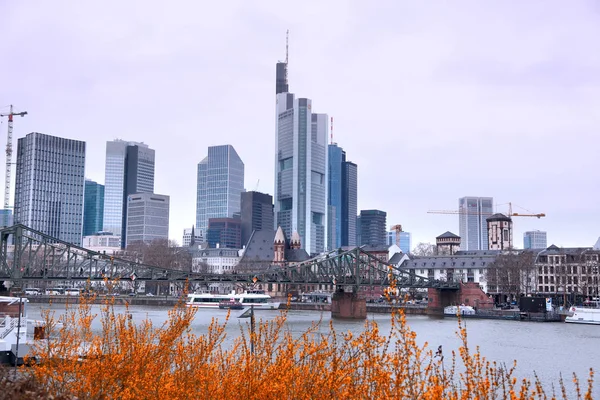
pixel 7 175
pixel 465 212
pixel 397 229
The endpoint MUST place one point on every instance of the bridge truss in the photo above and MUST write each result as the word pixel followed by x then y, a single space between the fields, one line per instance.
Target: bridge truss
pixel 30 255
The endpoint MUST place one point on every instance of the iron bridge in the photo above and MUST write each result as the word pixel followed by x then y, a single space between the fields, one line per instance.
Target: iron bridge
pixel 29 255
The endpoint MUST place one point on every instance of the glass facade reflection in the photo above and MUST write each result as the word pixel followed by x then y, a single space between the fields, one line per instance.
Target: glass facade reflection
pixel 49 185
pixel 93 208
pixel 219 186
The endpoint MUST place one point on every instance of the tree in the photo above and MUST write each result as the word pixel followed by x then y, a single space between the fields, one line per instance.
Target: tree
pixel 424 250
pixel 512 273
pixel 161 253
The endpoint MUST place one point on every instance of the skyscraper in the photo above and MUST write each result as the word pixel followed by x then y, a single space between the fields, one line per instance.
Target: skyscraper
pixel 337 157
pixel 373 228
pixel 129 169
pixel 472 223
pixel 535 240
pixel 49 185
pixel 301 171
pixel 219 186
pixel 93 208
pixel 147 218
pixel 256 214
pixel 342 198
pixel 349 203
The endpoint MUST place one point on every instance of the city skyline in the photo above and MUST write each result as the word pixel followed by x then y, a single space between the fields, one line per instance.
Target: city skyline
pixel 516 86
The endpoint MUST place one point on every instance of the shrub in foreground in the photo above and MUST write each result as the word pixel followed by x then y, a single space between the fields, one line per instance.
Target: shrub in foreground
pixel 142 361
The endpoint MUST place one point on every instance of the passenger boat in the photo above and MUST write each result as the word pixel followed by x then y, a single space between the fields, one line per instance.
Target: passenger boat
pixel 13 327
pixel 584 315
pixel 257 298
pixel 461 309
pixel 231 304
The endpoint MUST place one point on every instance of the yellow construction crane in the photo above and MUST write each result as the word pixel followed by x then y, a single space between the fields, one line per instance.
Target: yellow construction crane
pixel 397 229
pixel 510 213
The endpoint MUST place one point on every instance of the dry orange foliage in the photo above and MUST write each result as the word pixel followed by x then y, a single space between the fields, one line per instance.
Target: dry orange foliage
pixel 129 361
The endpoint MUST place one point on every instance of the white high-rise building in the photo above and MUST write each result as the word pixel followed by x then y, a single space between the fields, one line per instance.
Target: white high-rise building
pixel 301 180
pixel 535 240
pixel 472 224
pixel 50 178
pixel 129 169
pixel 147 217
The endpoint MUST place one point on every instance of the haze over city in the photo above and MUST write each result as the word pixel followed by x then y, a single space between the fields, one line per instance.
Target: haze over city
pixel 432 101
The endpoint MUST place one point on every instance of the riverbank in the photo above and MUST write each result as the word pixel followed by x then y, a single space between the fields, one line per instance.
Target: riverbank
pixel 162 301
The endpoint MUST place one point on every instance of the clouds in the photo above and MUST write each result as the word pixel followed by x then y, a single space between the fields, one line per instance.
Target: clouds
pixel 433 101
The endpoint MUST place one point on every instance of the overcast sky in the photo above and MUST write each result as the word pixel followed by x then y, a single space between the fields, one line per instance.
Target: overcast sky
pixel 433 100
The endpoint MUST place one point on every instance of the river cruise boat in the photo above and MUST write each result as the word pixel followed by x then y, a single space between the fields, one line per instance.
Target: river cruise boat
pixel 258 299
pixel 588 314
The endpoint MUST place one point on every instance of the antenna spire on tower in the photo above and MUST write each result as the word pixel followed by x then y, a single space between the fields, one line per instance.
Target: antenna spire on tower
pixel 331 127
pixel 287 40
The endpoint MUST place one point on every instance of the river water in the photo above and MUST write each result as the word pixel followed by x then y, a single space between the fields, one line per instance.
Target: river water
pixel 547 349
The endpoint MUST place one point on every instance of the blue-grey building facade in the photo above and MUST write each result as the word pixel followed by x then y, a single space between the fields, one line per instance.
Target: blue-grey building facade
pixel 219 186
pixel 535 240
pixel 93 208
pixel 349 203
pixel 129 169
pixel 373 228
pixel 405 242
pixel 301 176
pixel 49 187
pixel 472 224
pixel 6 218
pixel 342 198
pixel 337 157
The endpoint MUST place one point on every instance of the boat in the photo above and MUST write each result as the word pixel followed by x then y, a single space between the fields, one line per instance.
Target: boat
pixel 13 328
pixel 588 314
pixel 257 298
pixel 231 304
pixel 462 310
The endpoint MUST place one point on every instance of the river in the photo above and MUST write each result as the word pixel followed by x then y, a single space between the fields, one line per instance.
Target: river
pixel 549 348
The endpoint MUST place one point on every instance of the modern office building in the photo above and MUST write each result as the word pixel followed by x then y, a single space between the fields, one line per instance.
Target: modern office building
pixel 129 170
pixel 188 233
pixel 147 218
pixel 342 198
pixel 472 224
pixel 93 208
pixel 257 213
pixel 219 186
pixel 6 218
pixel 404 243
pixel 373 228
pixel 224 232
pixel 349 203
pixel 49 187
pixel 301 172
pixel 535 240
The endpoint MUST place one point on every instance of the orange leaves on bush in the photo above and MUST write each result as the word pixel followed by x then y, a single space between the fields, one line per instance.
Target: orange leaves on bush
pixel 143 361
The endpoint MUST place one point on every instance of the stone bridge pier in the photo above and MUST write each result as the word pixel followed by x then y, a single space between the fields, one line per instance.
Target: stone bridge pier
pixel 468 294
pixel 348 305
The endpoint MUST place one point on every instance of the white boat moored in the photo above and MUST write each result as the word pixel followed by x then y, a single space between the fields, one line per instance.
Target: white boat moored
pixel 258 299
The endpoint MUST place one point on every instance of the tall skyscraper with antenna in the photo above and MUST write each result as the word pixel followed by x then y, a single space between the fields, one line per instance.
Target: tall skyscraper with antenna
pixel 301 176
